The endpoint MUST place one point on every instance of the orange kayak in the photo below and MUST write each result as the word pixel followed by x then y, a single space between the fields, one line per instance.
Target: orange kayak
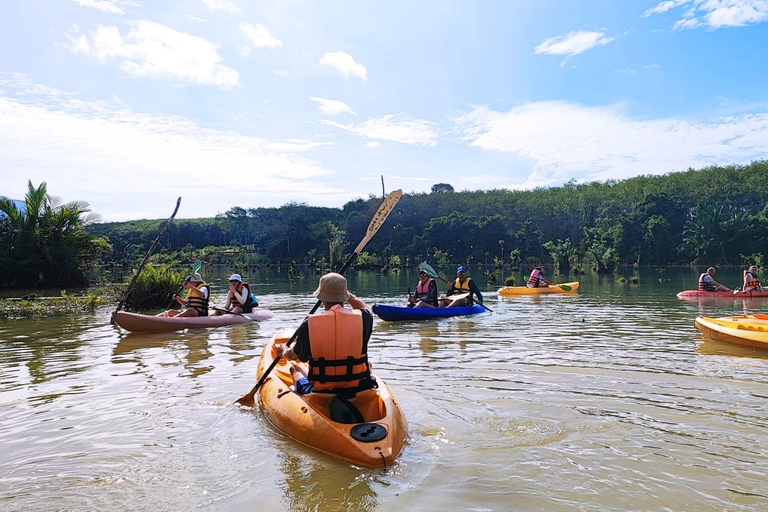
pixel 730 330
pixel 306 418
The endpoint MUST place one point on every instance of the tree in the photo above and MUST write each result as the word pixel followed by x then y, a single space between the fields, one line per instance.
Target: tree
pixel 442 188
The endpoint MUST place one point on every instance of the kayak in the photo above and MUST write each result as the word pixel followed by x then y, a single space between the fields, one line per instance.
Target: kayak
pixel 695 294
pixel 739 332
pixel 136 322
pixel 524 290
pixel 306 418
pixel 395 313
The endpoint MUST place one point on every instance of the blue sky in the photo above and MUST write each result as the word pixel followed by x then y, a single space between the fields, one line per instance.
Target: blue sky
pixel 128 104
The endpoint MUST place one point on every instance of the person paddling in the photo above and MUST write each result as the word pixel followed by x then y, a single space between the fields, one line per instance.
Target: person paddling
pixel 536 279
pixel 461 285
pixel 239 298
pixel 751 282
pixel 707 282
pixel 334 342
pixel 426 292
pixel 198 295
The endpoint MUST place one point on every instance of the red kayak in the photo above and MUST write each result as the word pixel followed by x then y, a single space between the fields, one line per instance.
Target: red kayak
pixel 696 294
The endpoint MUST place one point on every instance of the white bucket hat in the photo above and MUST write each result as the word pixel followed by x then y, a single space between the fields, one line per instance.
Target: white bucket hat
pixel 332 288
pixel 236 277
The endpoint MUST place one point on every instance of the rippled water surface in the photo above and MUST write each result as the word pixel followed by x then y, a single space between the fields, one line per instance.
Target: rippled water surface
pixel 608 399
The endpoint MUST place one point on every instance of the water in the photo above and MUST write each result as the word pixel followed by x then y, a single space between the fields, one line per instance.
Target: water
pixel 605 400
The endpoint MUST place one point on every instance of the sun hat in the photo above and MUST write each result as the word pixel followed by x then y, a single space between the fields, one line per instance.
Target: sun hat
pixel 196 278
pixel 422 271
pixel 461 269
pixel 236 277
pixel 332 288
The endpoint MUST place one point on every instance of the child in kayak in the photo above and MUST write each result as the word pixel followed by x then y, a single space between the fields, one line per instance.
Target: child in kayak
pixel 198 295
pixel 239 299
pixel 536 279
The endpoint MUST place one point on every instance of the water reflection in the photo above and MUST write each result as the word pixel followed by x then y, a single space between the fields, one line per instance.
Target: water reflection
pixel 133 347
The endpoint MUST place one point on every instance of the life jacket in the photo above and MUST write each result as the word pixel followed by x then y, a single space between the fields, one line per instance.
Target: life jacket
pixel 195 299
pixel 705 286
pixel 459 287
pixel 336 344
pixel 535 278
pixel 422 290
pixel 754 284
pixel 249 297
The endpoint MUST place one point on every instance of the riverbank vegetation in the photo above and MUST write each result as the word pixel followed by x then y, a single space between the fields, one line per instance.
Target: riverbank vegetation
pixel 716 215
pixel 30 306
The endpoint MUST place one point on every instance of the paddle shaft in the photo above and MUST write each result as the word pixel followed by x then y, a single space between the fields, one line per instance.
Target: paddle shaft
pixel 228 312
pixel 128 290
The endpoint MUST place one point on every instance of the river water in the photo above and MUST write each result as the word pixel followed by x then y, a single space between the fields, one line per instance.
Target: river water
pixel 608 399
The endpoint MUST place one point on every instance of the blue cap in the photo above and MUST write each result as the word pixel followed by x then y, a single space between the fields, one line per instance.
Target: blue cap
pixel 461 269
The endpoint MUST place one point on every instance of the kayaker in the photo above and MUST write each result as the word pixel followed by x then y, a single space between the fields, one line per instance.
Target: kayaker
pixel 239 298
pixel 334 342
pixel 707 282
pixel 461 285
pixel 751 282
pixel 198 295
pixel 426 292
pixel 536 279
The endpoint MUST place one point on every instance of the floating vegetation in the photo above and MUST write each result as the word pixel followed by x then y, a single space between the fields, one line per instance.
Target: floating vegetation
pixel 32 306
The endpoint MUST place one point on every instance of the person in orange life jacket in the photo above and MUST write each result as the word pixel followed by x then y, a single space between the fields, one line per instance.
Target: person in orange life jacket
pixel 750 280
pixel 333 342
pixel 198 294
pixel 707 282
pixel 537 280
pixel 461 285
pixel 239 298
pixel 426 292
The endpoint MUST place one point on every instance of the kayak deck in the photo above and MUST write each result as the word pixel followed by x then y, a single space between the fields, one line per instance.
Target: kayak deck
pixel 397 313
pixel 736 331
pixel 695 294
pixel 524 290
pixel 136 322
pixel 306 418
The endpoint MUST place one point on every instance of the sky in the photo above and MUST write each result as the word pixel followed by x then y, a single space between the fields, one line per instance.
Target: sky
pixel 128 104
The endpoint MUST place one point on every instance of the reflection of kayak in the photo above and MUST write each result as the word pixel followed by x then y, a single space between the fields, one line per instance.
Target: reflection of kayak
pixel 734 331
pixel 695 294
pixel 306 418
pixel 395 313
pixel 524 290
pixel 136 322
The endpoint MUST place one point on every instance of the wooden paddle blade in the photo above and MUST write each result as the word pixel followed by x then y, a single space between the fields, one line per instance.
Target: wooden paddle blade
pixel 456 297
pixel 379 217
pixel 248 400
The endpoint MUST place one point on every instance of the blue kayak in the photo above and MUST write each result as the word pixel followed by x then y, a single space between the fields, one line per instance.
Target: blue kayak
pixel 395 313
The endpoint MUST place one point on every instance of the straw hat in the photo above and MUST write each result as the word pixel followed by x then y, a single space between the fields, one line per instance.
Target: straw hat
pixel 332 288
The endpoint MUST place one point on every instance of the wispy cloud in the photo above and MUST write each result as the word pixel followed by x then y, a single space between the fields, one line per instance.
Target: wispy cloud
pixel 281 72
pixel 101 152
pixel 259 36
pixel 344 64
pixel 333 107
pixel 221 5
pixel 151 49
pixel 407 131
pixel 715 13
pixel 372 144
pixel 573 43
pixel 566 140
pixel 112 6
pixel 195 19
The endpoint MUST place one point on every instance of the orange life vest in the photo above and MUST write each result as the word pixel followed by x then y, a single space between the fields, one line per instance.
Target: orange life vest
pixel 336 344
pixel 535 278
pixel 754 284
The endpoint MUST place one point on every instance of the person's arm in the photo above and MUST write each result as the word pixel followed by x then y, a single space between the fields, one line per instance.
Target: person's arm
pixel 474 289
pixel 300 350
pixel 242 296
pixel 356 303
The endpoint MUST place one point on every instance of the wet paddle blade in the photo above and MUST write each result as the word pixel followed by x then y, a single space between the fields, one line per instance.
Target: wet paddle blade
pixel 565 287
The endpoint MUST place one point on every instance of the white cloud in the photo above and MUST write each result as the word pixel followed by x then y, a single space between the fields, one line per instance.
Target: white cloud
pixel 124 163
pixel 344 64
pixel 195 19
pixel 372 145
pixel 333 107
pixel 281 72
pixel 573 43
pixel 259 36
pixel 107 5
pixel 566 140
pixel 221 5
pixel 715 13
pixel 151 49
pixel 412 132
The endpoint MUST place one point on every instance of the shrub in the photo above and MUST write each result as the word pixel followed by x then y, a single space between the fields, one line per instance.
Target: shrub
pixel 155 287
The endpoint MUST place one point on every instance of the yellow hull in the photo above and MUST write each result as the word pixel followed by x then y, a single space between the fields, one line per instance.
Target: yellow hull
pixel 305 418
pixel 524 290
pixel 730 330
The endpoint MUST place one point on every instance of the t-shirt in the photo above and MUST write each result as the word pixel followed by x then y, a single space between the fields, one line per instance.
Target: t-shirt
pixel 302 348
pixel 707 278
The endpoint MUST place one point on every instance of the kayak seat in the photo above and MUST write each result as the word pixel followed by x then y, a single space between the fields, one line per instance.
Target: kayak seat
pixel 343 411
pixel 368 403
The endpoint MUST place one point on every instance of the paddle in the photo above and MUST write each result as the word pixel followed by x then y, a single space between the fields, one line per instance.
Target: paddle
pixel 378 219
pixel 433 274
pixel 127 291
pixel 564 287
pixel 228 312
pixel 195 268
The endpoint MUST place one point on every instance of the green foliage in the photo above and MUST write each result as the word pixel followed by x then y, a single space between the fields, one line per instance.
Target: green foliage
pixel 336 244
pixel 509 281
pixel 46 243
pixel 155 287
pixel 561 252
pixel 442 188
pixel 366 260
pixel 442 258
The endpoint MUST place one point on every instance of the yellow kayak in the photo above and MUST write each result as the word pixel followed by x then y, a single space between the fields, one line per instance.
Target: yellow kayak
pixel 306 418
pixel 524 290
pixel 735 330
